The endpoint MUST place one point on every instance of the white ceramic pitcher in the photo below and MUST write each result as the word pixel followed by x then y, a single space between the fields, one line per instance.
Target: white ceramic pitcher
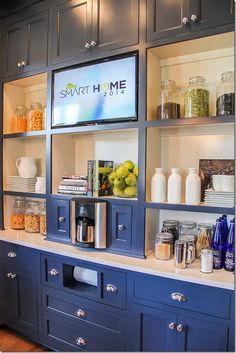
pixel 26 167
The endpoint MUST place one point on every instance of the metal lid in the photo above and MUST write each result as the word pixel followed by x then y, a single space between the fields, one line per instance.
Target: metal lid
pixel 164 236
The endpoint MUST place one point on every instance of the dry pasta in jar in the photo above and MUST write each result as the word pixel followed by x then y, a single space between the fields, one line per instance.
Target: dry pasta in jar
pixel 35 117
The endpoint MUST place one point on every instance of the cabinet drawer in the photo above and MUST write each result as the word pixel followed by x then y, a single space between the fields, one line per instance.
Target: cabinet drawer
pixel 18 255
pixel 58 220
pixel 114 288
pixel 52 271
pixel 81 310
pixel 61 333
pixel 203 299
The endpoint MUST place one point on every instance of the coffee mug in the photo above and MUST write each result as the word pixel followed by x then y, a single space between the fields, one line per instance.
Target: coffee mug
pixel 228 183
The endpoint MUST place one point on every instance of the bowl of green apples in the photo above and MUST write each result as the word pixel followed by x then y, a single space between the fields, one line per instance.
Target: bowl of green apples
pixel 124 180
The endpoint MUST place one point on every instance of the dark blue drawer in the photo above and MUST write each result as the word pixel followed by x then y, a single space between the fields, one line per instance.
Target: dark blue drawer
pixel 121 227
pixel 203 299
pixel 58 220
pixel 61 334
pixel 114 288
pixel 21 256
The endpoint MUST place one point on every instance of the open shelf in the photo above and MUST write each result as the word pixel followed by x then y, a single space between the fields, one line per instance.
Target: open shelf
pixel 23 91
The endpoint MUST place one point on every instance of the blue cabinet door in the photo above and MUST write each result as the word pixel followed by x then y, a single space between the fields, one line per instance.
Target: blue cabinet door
pixel 58 220
pixel 121 227
pixel 197 335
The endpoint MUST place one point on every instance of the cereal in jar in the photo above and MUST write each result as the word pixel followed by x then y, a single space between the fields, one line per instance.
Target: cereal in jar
pixel 18 214
pixel 35 117
pixel 43 219
pixel 32 217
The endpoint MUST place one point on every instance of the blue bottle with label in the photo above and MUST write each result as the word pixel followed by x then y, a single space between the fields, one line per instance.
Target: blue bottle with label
pixel 229 263
pixel 218 245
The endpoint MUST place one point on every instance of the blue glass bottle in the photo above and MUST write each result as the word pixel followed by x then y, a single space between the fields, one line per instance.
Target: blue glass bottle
pixel 229 263
pixel 225 227
pixel 218 245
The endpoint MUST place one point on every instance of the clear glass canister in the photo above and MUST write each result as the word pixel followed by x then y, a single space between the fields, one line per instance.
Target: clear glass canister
pixel 196 98
pixel 20 119
pixel 18 214
pixel 43 219
pixel 225 94
pixel 188 228
pixel 35 117
pixel 169 107
pixel 171 226
pixel 32 218
pixel 204 237
pixel 164 246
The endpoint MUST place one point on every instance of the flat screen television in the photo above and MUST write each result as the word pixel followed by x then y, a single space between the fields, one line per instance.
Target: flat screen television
pixel 95 93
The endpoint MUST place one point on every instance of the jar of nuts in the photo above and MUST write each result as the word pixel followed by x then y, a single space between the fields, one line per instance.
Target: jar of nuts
pixel 43 220
pixel 18 213
pixel 35 117
pixel 32 216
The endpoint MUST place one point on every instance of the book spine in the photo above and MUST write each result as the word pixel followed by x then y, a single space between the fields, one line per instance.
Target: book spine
pixel 75 177
pixel 73 187
pixel 90 167
pixel 72 192
pixel 95 179
pixel 74 182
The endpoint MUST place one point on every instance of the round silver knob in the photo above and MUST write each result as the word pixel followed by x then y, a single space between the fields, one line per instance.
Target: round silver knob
pixel 9 274
pixel 121 227
pixel 80 313
pixel 19 64
pixel 61 219
pixel 172 326
pixel 81 341
pixel 110 288
pixel 93 43
pixel 87 45
pixel 53 272
pixel 180 328
pixel 178 297
pixel 11 254
pixel 13 275
pixel 24 63
pixel 194 18
pixel 185 20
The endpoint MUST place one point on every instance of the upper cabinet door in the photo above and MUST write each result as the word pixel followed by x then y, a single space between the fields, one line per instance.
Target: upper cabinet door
pixel 167 18
pixel 72 29
pixel 115 23
pixel 211 13
pixel 26 45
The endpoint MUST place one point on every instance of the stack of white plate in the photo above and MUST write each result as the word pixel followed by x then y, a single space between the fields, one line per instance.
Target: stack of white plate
pixel 219 198
pixel 16 183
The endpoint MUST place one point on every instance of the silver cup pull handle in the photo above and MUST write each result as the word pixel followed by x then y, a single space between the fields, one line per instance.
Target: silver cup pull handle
pixel 178 297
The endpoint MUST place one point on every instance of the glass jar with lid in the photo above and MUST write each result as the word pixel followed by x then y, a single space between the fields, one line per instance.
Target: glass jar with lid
pixel 164 246
pixel 18 214
pixel 35 117
pixel 187 228
pixel 32 218
pixel 20 119
pixel 171 226
pixel 204 237
pixel 170 106
pixel 196 98
pixel 43 220
pixel 225 94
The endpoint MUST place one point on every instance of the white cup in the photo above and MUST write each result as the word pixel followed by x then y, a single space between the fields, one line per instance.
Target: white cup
pixel 217 182
pixel 228 183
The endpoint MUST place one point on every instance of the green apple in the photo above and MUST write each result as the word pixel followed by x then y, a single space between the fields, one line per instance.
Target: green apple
pixel 122 171
pixel 130 191
pixel 131 179
pixel 129 164
pixel 119 183
pixel 135 171
pixel 112 177
pixel 118 191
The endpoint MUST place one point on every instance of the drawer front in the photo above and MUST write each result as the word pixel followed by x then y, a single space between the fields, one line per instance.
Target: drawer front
pixel 121 227
pixel 18 255
pixel 81 310
pixel 114 288
pixel 203 299
pixel 61 333
pixel 58 220
pixel 52 271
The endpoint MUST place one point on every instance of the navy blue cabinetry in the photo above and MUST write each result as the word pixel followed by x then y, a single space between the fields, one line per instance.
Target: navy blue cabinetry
pixel 58 220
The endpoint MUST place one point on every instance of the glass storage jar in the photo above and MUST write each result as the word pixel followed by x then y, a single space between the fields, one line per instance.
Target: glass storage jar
pixel 187 228
pixel 35 117
pixel 43 220
pixel 196 98
pixel 18 213
pixel 164 246
pixel 225 94
pixel 171 226
pixel 20 119
pixel 32 218
pixel 204 237
pixel 169 107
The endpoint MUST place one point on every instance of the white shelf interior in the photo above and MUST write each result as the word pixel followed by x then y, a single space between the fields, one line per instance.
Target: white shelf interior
pixel 70 152
pixel 23 147
pixel 22 92
pixel 207 57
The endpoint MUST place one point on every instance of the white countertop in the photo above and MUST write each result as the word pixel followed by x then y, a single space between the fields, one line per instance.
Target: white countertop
pixel 152 266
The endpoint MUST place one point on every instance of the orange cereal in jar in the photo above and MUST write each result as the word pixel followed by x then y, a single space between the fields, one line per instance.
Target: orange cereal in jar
pixel 35 117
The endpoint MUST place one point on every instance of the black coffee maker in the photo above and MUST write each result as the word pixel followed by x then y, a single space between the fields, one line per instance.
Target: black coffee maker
pixel 88 223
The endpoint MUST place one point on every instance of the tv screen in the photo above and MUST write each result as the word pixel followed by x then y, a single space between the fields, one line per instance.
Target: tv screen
pixel 100 92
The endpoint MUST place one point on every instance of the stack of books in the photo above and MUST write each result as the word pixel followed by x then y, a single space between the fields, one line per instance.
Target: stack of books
pixel 98 177
pixel 73 184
